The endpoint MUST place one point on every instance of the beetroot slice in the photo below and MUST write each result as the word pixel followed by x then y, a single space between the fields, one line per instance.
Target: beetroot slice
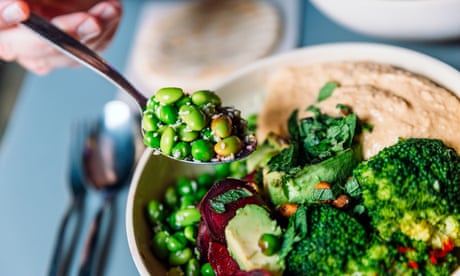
pixel 220 260
pixel 203 241
pixel 216 222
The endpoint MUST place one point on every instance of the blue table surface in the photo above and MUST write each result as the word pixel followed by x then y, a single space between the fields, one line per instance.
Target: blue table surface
pixel 34 150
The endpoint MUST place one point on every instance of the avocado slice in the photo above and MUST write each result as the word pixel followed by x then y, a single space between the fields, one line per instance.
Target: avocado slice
pixel 243 233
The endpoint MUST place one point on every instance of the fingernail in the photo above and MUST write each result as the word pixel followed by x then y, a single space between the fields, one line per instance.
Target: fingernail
pixel 13 13
pixel 88 29
pixel 108 13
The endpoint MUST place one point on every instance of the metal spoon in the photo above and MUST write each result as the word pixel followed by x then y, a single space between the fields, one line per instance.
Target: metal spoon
pixel 79 52
pixel 108 163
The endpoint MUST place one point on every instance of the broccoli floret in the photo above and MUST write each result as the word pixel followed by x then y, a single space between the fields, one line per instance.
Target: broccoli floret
pixel 403 256
pixel 328 240
pixel 413 187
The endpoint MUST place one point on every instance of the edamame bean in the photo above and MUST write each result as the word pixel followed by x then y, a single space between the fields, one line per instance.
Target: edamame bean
pixel 183 101
pixel 152 139
pixel 269 244
pixel 187 216
pixel 180 257
pixel 171 219
pixel 203 97
pixel 192 268
pixel 252 122
pixel 186 134
pixel 159 244
pixel 238 169
pixel 185 186
pixel 149 121
pixel 167 140
pixel 181 150
pixel 208 135
pixel 200 193
pixel 174 243
pixel 205 180
pixel 187 201
pixel 169 95
pixel 192 116
pixel 222 126
pixel 171 198
pixel 222 170
pixel 190 233
pixel 228 146
pixel 167 114
pixel 207 270
pixel 155 210
pixel 202 150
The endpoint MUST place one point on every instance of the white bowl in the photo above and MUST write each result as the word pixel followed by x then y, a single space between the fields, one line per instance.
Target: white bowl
pixel 428 20
pixel 246 90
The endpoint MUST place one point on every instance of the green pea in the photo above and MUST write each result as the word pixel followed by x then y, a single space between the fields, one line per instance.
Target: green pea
pixel 202 150
pixel 222 126
pixel 207 270
pixel 171 198
pixel 205 180
pixel 269 244
pixel 192 117
pixel 187 216
pixel 167 140
pixel 192 268
pixel 186 134
pixel 228 146
pixel 149 121
pixel 152 139
pixel 159 244
pixel 155 211
pixel 190 232
pixel 167 114
pixel 169 95
pixel 222 170
pixel 180 257
pixel 181 150
pixel 203 97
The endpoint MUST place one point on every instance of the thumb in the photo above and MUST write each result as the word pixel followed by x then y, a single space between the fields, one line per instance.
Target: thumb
pixel 12 12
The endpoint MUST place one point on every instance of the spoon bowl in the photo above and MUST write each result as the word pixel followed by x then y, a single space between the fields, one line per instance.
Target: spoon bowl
pixel 84 55
pixel 109 160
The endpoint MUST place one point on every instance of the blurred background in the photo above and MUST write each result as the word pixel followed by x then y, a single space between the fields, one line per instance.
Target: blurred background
pixel 36 111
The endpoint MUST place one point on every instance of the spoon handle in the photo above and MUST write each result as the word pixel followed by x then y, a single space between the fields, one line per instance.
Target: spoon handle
pixel 79 52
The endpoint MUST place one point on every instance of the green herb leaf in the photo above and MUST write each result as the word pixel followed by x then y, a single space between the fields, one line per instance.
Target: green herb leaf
pixel 322 194
pixel 296 230
pixel 327 90
pixel 352 188
pixel 218 203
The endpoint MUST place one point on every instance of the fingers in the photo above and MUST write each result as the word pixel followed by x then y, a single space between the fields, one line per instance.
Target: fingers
pixel 95 28
pixel 13 12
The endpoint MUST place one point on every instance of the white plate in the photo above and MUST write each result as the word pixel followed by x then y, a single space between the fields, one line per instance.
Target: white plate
pixel 246 89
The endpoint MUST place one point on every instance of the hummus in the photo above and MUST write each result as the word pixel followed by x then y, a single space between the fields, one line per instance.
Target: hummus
pixel 396 102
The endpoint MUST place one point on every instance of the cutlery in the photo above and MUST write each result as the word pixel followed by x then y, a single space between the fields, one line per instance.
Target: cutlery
pixel 109 159
pixel 62 254
pixel 79 52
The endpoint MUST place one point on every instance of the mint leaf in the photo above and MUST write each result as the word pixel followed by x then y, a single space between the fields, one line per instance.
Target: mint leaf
pixel 218 203
pixel 327 90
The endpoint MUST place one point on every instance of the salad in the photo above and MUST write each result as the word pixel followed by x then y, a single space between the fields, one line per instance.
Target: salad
pixel 310 204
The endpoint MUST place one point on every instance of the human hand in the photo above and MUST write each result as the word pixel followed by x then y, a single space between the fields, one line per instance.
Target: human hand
pixel 92 22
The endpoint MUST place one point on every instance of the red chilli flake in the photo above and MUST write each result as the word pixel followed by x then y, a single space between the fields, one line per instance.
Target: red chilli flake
pixel 413 264
pixel 403 249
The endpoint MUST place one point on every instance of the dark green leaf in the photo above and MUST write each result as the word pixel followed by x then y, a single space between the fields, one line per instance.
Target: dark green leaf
pixel 322 194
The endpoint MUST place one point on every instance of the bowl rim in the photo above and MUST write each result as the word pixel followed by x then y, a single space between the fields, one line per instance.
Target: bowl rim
pixel 434 69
